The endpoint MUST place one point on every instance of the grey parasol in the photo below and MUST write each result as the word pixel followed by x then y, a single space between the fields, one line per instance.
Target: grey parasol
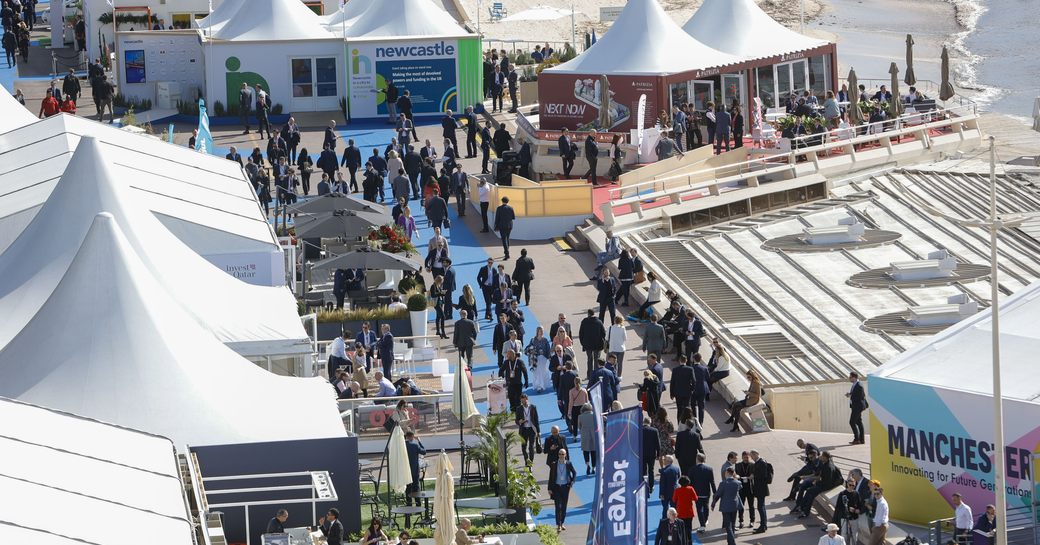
pixel 897 101
pixel 604 103
pixel 364 258
pixel 910 78
pixel 946 91
pixel 855 114
pixel 336 201
pixel 340 223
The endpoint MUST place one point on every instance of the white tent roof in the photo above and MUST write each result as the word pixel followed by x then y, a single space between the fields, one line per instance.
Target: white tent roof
pixel 741 28
pixel 12 113
pixel 645 41
pixel 272 20
pixel 93 470
pixel 36 262
pixel 346 15
pixel 405 18
pixel 220 15
pixel 958 352
pixel 110 343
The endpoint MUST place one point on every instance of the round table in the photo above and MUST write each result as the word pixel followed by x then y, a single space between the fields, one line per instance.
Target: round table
pixel 425 496
pixel 407 511
pixel 497 513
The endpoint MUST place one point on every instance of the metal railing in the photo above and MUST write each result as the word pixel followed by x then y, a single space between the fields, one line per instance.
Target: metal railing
pixel 928 87
pixel 371 414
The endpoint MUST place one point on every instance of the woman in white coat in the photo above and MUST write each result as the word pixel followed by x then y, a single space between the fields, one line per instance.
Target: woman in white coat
pixel 616 342
pixel 538 353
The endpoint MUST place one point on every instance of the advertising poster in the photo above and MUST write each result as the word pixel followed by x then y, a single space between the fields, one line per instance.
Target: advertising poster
pixel 619 473
pixel 596 397
pixel 427 69
pixel 133 61
pixel 574 101
pixel 928 443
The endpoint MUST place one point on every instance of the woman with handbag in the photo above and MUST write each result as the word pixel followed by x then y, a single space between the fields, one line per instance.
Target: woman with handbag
pixel 468 302
pixel 626 272
pixel 576 398
pixel 537 352
pixel 614 152
pixel 437 295
pixel 306 166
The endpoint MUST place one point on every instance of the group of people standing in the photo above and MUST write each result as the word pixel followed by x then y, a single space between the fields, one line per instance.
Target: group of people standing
pixel 18 18
pixel 721 125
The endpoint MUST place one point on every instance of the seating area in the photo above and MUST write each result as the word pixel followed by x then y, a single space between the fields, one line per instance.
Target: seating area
pixel 957 308
pixel 849 229
pixel 497 11
pixel 938 265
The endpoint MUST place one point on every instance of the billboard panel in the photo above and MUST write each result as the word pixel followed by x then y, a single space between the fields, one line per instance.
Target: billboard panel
pixel 928 443
pixel 574 101
pixel 427 69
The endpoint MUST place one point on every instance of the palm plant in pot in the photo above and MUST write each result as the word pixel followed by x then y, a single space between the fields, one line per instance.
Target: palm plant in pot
pixel 487 449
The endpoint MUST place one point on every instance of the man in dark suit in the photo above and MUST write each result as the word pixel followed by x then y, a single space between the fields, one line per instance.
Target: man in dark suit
pixel 669 480
pixel 680 388
pixel 700 386
pixel 703 480
pixel 330 136
pixel 487 281
pixel 331 527
pixel 485 148
pixel 651 449
pixel 460 187
pixel 448 128
pixel 606 376
pixel 858 402
pixel 883 95
pixel 327 162
pixel 413 166
pixel 504 216
pixel 436 210
pixel 515 374
pixel 500 336
pixel 277 524
pixel 527 421
pixel 404 105
pixel 564 143
pixel 761 475
pixel 234 156
pixel 523 274
pixel 554 443
pixel 693 330
pixel 561 321
pixel 472 128
pixel 728 498
pixel 591 156
pixel 367 338
pixel 434 261
pixel 352 160
pixel 464 337
pixel 449 287
pixel 385 347
pixel 591 335
pixel 687 447
pixel 414 447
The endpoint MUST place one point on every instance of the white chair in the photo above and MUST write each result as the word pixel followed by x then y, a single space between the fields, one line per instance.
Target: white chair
pixel 764 135
pixel 497 11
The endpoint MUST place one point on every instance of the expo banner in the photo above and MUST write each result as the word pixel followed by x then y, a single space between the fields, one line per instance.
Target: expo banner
pixel 619 475
pixel 596 397
pixel 928 443
pixel 574 101
pixel 427 69
pixel 259 268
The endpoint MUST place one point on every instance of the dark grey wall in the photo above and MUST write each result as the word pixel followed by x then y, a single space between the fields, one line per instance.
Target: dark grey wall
pixel 338 456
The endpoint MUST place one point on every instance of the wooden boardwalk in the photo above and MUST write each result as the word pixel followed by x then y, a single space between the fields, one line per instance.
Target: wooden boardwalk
pixel 1017 142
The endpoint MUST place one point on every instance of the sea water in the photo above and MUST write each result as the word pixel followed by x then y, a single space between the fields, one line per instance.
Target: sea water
pixel 1000 43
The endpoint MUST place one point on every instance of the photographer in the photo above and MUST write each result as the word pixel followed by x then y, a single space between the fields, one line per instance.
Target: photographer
pixel 847 508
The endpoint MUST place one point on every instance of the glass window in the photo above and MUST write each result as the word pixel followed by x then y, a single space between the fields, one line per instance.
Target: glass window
pixel 680 93
pixel 302 78
pixel 765 86
pixel 325 69
pixel 732 90
pixel 703 93
pixel 798 76
pixel 818 76
pixel 783 80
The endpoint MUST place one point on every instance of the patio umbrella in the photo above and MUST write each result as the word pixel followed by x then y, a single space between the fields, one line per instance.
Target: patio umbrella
pixel 337 201
pixel 910 78
pixel 946 91
pixel 340 223
pixel 444 501
pixel 897 101
pixel 462 405
pixel 604 103
pixel 855 114
pixel 399 472
pixel 365 258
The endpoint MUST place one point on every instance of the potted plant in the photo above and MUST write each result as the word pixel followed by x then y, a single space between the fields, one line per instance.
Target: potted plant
pixel 521 493
pixel 418 313
pixel 331 323
pixel 528 86
pixel 486 450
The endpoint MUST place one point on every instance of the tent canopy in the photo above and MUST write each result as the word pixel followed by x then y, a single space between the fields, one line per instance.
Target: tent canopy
pixel 272 20
pixel 97 471
pixel 12 113
pixel 346 15
pixel 405 19
pixel 220 15
pixel 957 352
pixel 645 41
pixel 37 261
pixel 741 28
pixel 111 344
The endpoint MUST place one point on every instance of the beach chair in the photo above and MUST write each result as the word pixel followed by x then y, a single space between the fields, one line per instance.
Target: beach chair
pixel 497 11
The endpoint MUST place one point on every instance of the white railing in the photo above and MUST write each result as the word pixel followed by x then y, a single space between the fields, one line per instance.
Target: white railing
pixel 928 87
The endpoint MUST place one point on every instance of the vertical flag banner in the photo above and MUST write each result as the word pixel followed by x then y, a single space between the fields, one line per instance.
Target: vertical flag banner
pixel 169 132
pixel 641 116
pixel 596 397
pixel 641 527
pixel 204 141
pixel 619 470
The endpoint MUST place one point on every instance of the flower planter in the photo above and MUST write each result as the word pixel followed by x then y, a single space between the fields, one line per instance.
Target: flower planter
pixel 528 92
pixel 419 320
pixel 519 517
pixel 327 331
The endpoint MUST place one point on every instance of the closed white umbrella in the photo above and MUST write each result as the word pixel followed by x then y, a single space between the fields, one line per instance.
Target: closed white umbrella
pixel 462 405
pixel 444 502
pixel 400 473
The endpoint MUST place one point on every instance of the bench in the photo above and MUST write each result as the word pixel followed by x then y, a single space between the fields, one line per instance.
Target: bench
pixel 847 230
pixel 957 307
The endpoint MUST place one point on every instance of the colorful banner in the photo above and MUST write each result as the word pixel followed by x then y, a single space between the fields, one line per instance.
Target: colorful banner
pixel 204 140
pixel 928 443
pixel 641 526
pixel 574 100
pixel 596 397
pixel 619 471
pixel 427 69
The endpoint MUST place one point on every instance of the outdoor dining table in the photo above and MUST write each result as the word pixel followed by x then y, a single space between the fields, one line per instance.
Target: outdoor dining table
pixel 497 513
pixel 407 511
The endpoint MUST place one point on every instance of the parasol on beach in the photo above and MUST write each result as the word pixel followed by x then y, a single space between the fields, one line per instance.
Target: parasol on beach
pixel 946 91
pixel 897 101
pixel 604 103
pixel 910 78
pixel 855 114
pixel 444 501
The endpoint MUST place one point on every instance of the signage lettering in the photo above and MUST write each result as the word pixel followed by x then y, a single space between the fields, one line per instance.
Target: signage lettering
pixel 962 452
pixel 439 49
pixel 565 109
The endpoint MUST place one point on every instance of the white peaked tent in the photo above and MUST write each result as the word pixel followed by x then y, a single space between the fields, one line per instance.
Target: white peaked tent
pixel 346 15
pixel 111 344
pixel 93 471
pixel 271 20
pixel 741 28
pixel 220 15
pixel 405 19
pixel 12 113
pixel 644 40
pixel 253 320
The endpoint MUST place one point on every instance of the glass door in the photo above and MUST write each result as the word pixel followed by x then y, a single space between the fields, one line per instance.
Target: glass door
pixel 680 93
pixel 302 84
pixel 314 84
pixel 703 93
pixel 791 77
pixel 733 90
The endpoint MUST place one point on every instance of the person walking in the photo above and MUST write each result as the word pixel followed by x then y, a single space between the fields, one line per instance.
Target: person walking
pixel 626 273
pixel 460 187
pixel 10 43
pixel 880 528
pixel 538 351
pixel 70 85
pixel 504 216
pixel 591 335
pixel 606 375
pixel 591 157
pixel 703 479
pixel 437 296
pixel 513 79
pixel 448 128
pixel 390 98
pixel 738 127
pixel 681 385
pixel 684 498
pixel 515 374
pixel 330 137
pixel 668 481
pixel 486 141
pixel 498 82
pixel 352 160
pixel 528 424
pixel 561 477
pixel 728 500
pixel 651 451
pixel 858 403
pixel 245 104
pixel 404 106
pixel 464 336
pixel 606 290
pixel 523 274
pixel 616 340
pixel 587 431
pixel 576 399
pixel 671 530
pixel 700 387
pixel 678 127
pixel 723 125
pixel 472 128
pixel 263 107
pixel 761 478
pixel 566 147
